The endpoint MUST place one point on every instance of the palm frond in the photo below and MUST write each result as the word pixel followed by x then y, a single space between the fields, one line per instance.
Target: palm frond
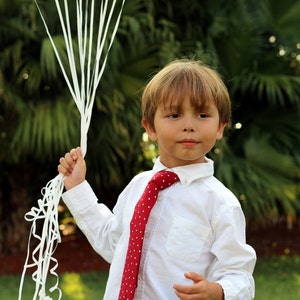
pixel 276 89
pixel 44 126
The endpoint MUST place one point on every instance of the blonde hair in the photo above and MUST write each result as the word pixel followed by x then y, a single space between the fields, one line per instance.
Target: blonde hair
pixel 186 79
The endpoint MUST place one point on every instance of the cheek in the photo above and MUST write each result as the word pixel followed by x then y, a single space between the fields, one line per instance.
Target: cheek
pixel 164 134
pixel 211 133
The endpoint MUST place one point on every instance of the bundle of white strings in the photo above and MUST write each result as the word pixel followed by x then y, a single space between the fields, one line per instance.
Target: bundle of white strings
pixel 82 86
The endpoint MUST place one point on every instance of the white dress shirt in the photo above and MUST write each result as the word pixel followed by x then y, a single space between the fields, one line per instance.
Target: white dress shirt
pixel 196 225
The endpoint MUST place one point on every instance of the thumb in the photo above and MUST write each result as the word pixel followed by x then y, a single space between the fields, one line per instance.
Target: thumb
pixel 79 153
pixel 79 158
pixel 194 276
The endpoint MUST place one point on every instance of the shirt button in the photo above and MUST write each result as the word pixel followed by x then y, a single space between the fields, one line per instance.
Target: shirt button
pixel 147 234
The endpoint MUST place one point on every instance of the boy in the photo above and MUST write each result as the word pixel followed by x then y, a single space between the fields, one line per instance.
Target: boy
pixel 194 243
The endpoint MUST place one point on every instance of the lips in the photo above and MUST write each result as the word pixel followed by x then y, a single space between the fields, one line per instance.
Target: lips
pixel 188 142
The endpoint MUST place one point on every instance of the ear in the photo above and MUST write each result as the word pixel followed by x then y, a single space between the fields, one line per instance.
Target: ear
pixel 221 130
pixel 150 131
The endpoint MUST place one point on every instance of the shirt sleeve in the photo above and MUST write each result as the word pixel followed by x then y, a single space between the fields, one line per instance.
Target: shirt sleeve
pixel 234 259
pixel 95 220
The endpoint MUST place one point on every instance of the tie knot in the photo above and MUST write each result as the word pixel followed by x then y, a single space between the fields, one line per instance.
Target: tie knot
pixel 164 179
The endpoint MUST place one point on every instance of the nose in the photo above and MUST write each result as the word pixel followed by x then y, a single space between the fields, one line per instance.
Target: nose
pixel 188 129
pixel 188 125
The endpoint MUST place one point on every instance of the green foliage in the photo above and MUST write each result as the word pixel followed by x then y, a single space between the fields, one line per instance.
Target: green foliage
pixel 253 44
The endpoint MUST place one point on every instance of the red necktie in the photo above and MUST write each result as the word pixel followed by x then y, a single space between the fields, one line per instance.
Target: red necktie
pixel 159 181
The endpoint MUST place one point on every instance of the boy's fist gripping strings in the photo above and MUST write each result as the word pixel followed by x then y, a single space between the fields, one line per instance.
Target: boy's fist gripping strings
pixel 73 167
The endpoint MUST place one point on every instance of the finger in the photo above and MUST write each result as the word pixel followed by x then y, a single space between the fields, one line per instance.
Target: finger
pixel 181 289
pixel 67 162
pixel 79 152
pixel 179 295
pixel 72 155
pixel 184 296
pixel 189 289
pixel 63 170
pixel 194 276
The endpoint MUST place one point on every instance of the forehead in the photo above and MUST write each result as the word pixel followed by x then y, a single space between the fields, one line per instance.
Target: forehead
pixel 184 88
pixel 182 103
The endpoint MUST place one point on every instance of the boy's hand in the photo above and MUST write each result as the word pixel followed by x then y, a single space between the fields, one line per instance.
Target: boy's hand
pixel 73 167
pixel 200 290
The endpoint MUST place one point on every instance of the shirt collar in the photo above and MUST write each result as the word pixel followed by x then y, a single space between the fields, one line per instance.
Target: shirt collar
pixel 188 173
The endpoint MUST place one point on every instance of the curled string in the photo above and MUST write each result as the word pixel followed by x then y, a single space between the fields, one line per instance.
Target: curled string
pixel 82 86
pixel 42 255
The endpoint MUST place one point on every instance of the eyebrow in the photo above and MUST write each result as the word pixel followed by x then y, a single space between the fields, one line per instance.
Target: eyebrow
pixel 171 107
pixel 174 107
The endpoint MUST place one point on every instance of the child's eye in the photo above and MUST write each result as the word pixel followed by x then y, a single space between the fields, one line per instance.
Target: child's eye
pixel 203 115
pixel 174 116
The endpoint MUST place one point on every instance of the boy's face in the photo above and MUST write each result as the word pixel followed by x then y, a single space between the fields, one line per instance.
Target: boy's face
pixel 183 133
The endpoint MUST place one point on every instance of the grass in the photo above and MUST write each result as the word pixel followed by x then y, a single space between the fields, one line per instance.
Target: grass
pixel 74 286
pixel 276 278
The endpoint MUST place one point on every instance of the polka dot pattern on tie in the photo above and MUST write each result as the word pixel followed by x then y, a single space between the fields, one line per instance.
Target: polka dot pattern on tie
pixel 159 181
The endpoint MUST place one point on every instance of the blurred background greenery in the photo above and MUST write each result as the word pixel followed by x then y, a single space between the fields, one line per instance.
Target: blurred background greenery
pixel 254 45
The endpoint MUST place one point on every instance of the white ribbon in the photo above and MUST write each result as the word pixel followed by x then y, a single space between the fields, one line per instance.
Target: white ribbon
pixel 50 237
pixel 82 86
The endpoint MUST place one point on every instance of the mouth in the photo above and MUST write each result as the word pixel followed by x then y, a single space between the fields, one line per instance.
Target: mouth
pixel 188 142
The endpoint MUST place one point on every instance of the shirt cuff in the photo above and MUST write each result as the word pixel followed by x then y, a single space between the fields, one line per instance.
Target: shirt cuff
pixel 80 197
pixel 228 289
pixel 233 291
